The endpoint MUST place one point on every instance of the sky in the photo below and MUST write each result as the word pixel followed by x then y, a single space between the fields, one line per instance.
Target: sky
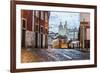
pixel 73 20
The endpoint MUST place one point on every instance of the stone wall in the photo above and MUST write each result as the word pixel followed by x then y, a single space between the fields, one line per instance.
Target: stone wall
pixel 29 39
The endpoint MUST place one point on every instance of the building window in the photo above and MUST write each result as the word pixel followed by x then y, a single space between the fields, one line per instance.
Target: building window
pixel 36 27
pixel 37 20
pixel 41 29
pixel 46 16
pixel 37 13
pixel 46 31
pixel 24 23
pixel 42 15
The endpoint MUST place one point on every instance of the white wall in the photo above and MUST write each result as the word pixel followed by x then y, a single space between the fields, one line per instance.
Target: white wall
pixel 5 36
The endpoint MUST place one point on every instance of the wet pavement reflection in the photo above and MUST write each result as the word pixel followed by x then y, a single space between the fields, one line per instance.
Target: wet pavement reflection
pixel 47 55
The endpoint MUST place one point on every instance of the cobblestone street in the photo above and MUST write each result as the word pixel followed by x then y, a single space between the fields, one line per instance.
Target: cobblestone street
pixel 46 55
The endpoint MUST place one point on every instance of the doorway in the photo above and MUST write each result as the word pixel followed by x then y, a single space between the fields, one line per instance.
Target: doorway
pixel 24 24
